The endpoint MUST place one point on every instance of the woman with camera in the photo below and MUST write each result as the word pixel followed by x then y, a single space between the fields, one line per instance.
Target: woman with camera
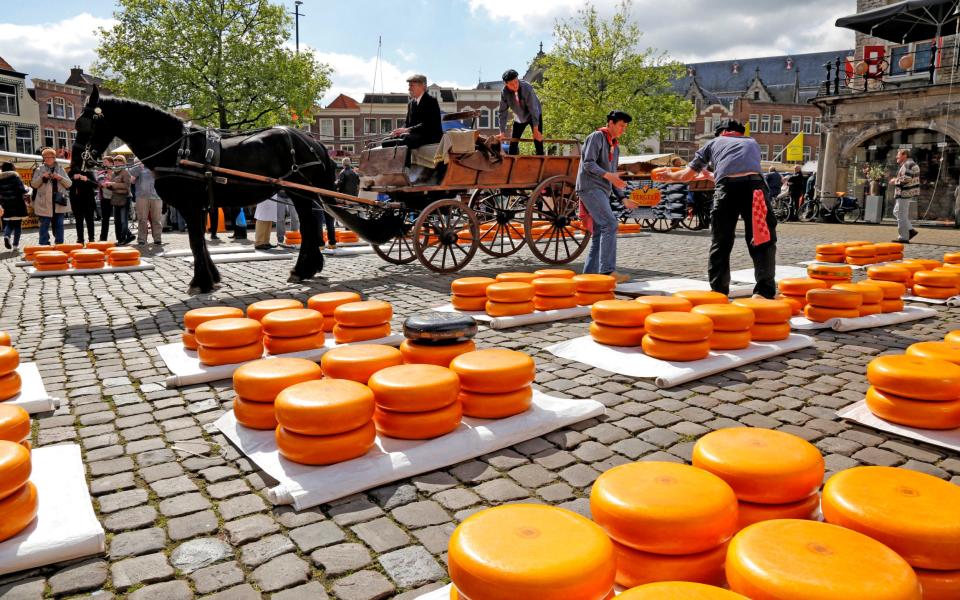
pixel 50 204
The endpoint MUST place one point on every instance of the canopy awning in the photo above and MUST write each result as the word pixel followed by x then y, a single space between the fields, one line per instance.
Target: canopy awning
pixel 906 21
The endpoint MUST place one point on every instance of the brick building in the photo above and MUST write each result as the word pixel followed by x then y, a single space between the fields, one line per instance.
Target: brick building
pixel 59 104
pixel 19 114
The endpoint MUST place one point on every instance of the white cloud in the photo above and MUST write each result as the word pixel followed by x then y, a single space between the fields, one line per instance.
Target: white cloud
pixel 48 50
pixel 406 56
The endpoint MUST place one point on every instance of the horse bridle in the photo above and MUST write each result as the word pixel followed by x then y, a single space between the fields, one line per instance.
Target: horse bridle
pixel 89 154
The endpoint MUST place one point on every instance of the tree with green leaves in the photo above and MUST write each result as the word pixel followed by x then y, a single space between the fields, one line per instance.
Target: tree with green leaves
pixel 597 66
pixel 225 62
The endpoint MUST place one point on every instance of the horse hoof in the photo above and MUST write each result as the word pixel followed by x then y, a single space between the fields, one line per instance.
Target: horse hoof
pixel 294 278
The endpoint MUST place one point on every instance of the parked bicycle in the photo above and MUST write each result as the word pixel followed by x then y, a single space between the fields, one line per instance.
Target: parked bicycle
pixel 846 210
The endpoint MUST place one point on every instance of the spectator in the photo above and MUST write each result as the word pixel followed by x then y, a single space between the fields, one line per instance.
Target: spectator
pixel 50 181
pixel 798 185
pixel 104 197
pixel 810 190
pixel 149 205
pixel 285 209
pixel 118 182
pixel 13 195
pixel 265 215
pixel 83 200
pixel 774 182
pixel 907 188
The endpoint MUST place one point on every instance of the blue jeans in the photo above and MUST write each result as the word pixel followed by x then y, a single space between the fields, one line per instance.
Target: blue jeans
pixel 12 228
pixel 57 219
pixel 602 254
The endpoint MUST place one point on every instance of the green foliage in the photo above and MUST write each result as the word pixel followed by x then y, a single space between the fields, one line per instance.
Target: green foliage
pixel 597 67
pixel 223 61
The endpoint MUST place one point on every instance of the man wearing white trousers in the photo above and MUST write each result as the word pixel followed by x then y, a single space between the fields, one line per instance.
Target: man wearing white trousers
pixel 907 188
pixel 149 205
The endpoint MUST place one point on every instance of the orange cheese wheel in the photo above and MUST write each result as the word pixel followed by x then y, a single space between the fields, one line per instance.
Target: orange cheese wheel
pixel 359 362
pixel 286 345
pixel 469 303
pixel 948 351
pixel 870 293
pixel 953 337
pixel 414 388
pixel 91 255
pixel 494 370
pixel 325 449
pixel 620 313
pixel 862 261
pixel 936 279
pixel 889 306
pixel 228 333
pixel 829 272
pixel 554 287
pixel 68 248
pixel 516 277
pixel 913 267
pixel 792 559
pixel 830 248
pixel 14 423
pixel 766 311
pixel 88 265
pixel 261 380
pixel 666 303
pixel 761 465
pixel 796 302
pixel 563 273
pixel 471 287
pixel 675 351
pixel 938 293
pixel 10 385
pixel 829 258
pixel 679 590
pixel 14 467
pixel 19 509
pixel 927 263
pixel 510 292
pixel 727 317
pixel 324 406
pixel 508 309
pixel 292 322
pixel 679 326
pixel 9 359
pixel 834 298
pixel 855 243
pixel 595 283
pixel 589 298
pixel 864 251
pixel 554 302
pixel 889 247
pixel 889 273
pixel 749 513
pixel 664 507
pixel 948 269
pixel 343 334
pixel 913 513
pixel 260 309
pixel 50 257
pixel 913 413
pixel 29 251
pixel 255 415
pixel 938 585
pixel 698 297
pixel 189 340
pixel 914 377
pixel 616 336
pixel 418 425
pixel 496 406
pixel 951 258
pixel 328 302
pixel 5 339
pixel 345 236
pixel 133 262
pixel 637 568
pixel 769 332
pixel 363 314
pixel 892 290
pixel 52 267
pixel 531 551
pixel 414 353
pixel 730 340
pixel 820 315
pixel 870 309
pixel 123 254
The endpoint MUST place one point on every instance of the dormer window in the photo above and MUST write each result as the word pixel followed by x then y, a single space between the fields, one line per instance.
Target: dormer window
pixel 691 71
pixel 736 68
pixel 789 64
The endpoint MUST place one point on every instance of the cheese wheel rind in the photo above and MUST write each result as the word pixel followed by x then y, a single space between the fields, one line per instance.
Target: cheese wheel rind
pixel 819 314
pixel 834 298
pixel 749 513
pixel 516 277
pixel 593 283
pixel 287 345
pixel 471 287
pixel 15 467
pixel 589 298
pixel 324 407
pixel 510 291
pixel 10 385
pixel 414 388
pixel 871 294
pixel 699 297
pixel 261 380
pixel 258 310
pixel 193 318
pixel 292 322
pixel 679 590
pixel 325 449
pixel 915 377
pixel 913 413
pixel 936 293
pixel 679 326
pixel 727 317
pixel 620 313
pixel 508 309
pixel 9 359
pixel 359 362
pixel 14 423
pixel 418 425
pixel 554 287
pixel 675 351
pixel 469 303
pixel 616 336
pixel 938 585
pixel 666 303
pixel 326 303
pixel 255 415
pixel 228 333
pixel 19 509
pixel 494 370
pixel 730 340
pixel 434 354
pixel 889 306
pixel 770 332
pixel 343 334
pixel 495 406
pixel 948 351
pixel 544 303
pixel 368 313
pixel 635 567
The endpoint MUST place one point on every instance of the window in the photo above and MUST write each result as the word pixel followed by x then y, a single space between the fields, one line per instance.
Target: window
pixel 795 124
pixel 668 135
pixel 25 140
pixel 401 123
pixel 806 153
pixel 764 152
pixel 386 126
pixel 777 151
pixel 777 124
pixel 684 134
pixel 816 126
pixel 73 138
pixel 347 148
pixel 754 123
pixel 59 108
pixel 70 113
pixel 483 121
pixel 756 95
pixel 496 119
pixel 8 99
pixel 808 125
pixel 62 139
pixel 48 138
pixel 369 126
pixel 3 138
pixel 765 124
pixel 346 129
pixel 326 128
pixel 49 107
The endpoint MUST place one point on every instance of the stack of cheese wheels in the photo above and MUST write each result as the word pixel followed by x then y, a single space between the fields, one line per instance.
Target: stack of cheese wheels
pixel 358 362
pixel 228 341
pixel 771 318
pixel 914 391
pixel 10 382
pixel 799 559
pixel 14 424
pixel 508 298
pixel 897 273
pixel 18 495
pixel 5 339
pixel 258 383
pixel 292 330
pixel 871 294
pixel 914 514
pixel 831 273
pixel 326 303
pixel 677 336
pixel 668 521
pixel 437 338
pixel 101 246
pixel 775 475
pixel 345 236
pixel 889 251
pixel 123 257
pixel 292 238
pixel 795 290
pixel 30 252
pixel 559 273
pixel 823 305
pixel 892 294
pixel 951 258
pixel 495 382
pixel 948 351
pixel 913 267
pixel 324 421
pixel 831 253
pixel 416 402
pixel 679 590
pixel 258 310
pixel 593 287
pixel 618 322
pixel 530 551
pixel 87 259
pixel 666 303
pixel 731 325
pixel 628 228
pixel 937 285
pixel 67 248
pixel 698 297
pixel 193 318
pixel 470 293
pixel 927 264
pixel 516 277
pixel 554 293
pixel 51 260
pixel 362 321
pixel 862 255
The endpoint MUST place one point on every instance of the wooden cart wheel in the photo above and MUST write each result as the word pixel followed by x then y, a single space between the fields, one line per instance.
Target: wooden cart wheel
pixel 551 224
pixel 445 236
pixel 399 250
pixel 501 214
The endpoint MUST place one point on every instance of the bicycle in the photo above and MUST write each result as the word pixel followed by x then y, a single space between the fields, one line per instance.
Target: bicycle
pixel 698 213
pixel 847 210
pixel 783 207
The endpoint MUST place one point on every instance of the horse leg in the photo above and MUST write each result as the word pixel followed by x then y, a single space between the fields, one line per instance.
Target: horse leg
pixel 202 281
pixel 310 259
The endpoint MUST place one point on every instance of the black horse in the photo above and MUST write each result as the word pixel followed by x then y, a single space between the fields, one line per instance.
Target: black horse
pixel 161 140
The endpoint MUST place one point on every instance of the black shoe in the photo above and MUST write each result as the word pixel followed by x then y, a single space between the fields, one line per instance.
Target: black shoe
pixel 159 243
pixel 263 247
pixel 214 236
pixel 6 242
pixel 913 233
pixel 901 241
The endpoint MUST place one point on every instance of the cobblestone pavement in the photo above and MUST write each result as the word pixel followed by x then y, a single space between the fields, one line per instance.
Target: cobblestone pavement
pixel 186 516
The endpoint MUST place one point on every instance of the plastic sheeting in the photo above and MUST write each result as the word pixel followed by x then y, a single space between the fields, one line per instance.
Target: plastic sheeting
pixel 947 438
pixel 540 316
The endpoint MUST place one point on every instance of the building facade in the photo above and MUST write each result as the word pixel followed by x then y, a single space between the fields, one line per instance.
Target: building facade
pixel 19 113
pixel 59 104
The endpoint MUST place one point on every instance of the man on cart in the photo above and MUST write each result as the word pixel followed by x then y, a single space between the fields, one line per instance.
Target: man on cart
pixel 518 95
pixel 422 125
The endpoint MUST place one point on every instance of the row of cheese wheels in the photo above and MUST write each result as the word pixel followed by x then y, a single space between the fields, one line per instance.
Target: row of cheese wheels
pixel 85 258
pixel 518 293
pixel 18 495
pixel 292 237
pixel 926 278
pixel 920 388
pixel 875 296
pixel 345 236
pixel 10 381
pixel 29 251
pixel 859 252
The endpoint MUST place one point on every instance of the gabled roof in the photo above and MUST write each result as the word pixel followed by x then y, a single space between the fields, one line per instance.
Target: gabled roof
pixel 385 98
pixel 719 77
pixel 4 65
pixel 343 101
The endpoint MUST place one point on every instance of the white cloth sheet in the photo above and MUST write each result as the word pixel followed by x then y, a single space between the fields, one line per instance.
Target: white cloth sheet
pixel 782 272
pixel 952 302
pixel 909 313
pixel 33 396
pixel 66 528
pixel 854 267
pixel 236 257
pixel 946 438
pixel 392 459
pixel 348 250
pixel 669 286
pixel 540 316
pixel 143 266
pixel 228 249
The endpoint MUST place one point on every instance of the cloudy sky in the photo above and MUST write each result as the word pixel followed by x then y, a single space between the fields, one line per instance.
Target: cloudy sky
pixel 455 42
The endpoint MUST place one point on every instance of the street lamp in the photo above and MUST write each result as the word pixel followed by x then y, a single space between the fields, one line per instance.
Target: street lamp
pixel 296 16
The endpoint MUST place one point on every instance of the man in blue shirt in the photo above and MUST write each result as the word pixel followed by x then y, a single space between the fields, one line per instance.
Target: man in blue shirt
pixel 735 161
pixel 518 95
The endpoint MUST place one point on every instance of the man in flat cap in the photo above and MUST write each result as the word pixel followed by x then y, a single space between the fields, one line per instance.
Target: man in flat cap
pixel 422 125
pixel 518 96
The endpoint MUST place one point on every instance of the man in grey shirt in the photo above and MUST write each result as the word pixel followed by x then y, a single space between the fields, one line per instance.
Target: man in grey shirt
pixel 906 188
pixel 149 205
pixel 518 95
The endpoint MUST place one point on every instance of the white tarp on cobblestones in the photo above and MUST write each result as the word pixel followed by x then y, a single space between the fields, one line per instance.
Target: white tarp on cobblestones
pixel 666 287
pixel 33 396
pixel 236 257
pixel 143 266
pixel 948 438
pixel 392 459
pixel 909 313
pixel 953 301
pixel 782 272
pixel 540 316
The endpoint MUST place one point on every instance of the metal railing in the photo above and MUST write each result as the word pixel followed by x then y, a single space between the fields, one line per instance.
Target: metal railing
pixel 925 65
